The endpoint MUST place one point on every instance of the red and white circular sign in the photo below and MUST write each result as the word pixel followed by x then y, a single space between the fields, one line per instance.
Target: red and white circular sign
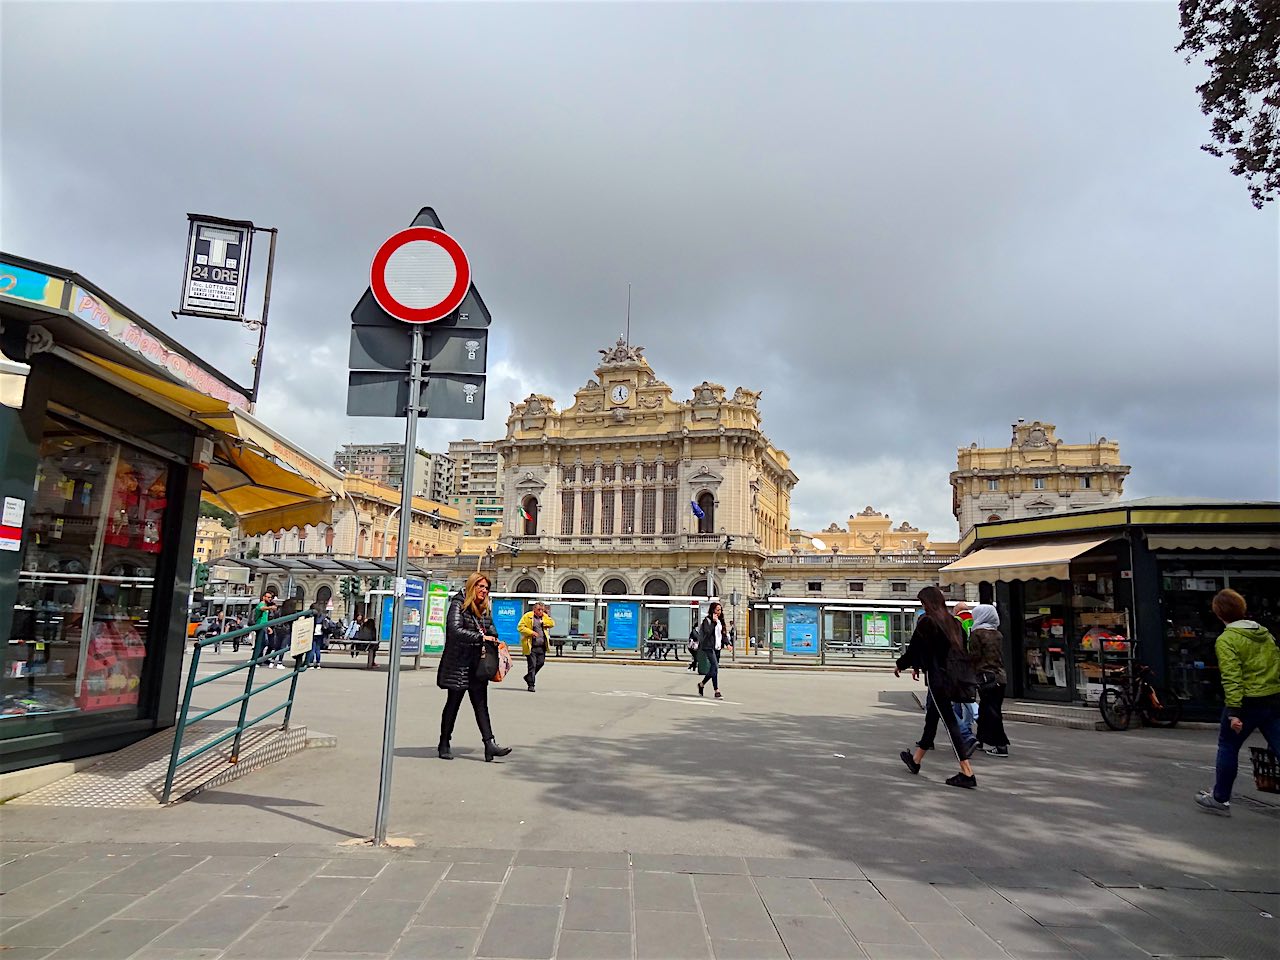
pixel 420 275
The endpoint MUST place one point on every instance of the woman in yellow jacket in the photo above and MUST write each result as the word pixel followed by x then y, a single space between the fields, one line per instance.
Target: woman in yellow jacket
pixel 535 632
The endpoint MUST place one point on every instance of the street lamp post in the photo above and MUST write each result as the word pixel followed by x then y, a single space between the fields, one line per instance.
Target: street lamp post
pixel 355 533
pixel 386 527
pixel 715 555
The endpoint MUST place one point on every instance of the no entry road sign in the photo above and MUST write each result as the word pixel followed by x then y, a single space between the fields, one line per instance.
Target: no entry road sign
pixel 420 275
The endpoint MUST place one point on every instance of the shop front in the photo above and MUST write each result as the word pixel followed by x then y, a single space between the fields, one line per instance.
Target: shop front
pixel 1084 596
pixel 111 435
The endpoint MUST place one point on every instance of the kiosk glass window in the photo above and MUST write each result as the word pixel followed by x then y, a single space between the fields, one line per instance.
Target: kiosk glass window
pixel 1103 643
pixel 82 622
pixel 1190 628
pixel 1044 639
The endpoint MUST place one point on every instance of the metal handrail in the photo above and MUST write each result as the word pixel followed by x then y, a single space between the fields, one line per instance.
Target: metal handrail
pixel 185 720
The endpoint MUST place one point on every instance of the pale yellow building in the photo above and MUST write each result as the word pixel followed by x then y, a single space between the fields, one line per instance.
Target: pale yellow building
pixel 597 496
pixel 1035 474
pixel 213 540
pixel 366 523
pixel 871 533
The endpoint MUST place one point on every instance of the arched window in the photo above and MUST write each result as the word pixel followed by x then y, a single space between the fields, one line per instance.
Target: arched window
pixel 529 516
pixel 573 586
pixel 699 588
pixel 657 587
pixel 274 588
pixel 527 586
pixel 707 504
pixel 323 596
pixel 614 587
pixel 993 518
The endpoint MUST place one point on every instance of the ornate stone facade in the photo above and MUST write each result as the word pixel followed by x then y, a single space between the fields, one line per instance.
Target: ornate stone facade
pixel 598 495
pixel 1035 474
pixel 871 533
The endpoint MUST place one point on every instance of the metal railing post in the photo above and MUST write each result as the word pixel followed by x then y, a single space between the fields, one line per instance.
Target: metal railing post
pixel 259 639
pixel 182 725
pixel 293 688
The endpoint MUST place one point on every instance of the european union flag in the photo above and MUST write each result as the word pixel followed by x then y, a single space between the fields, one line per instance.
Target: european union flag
pixel 697 510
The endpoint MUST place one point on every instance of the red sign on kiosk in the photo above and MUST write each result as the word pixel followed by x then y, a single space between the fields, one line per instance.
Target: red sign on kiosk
pixel 420 275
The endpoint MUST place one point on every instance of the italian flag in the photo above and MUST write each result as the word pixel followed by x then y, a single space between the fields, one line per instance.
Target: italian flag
pixel 526 514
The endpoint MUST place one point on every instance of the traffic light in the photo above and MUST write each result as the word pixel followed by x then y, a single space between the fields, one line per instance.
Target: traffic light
pixel 201 576
pixel 728 542
pixel 515 552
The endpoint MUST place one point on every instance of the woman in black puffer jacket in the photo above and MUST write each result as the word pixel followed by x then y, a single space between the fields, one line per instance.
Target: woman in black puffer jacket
pixel 468 628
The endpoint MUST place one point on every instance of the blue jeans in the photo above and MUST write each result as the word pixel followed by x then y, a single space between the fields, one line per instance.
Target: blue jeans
pixel 1256 716
pixel 317 643
pixel 938 708
pixel 966 716
pixel 714 676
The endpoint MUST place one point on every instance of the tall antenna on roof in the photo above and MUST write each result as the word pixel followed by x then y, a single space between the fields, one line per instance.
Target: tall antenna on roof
pixel 628 314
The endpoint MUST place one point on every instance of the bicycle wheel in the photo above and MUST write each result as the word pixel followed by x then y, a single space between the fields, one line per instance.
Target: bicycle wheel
pixel 1161 707
pixel 1117 710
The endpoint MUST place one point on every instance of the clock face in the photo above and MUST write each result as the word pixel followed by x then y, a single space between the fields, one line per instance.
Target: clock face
pixel 619 393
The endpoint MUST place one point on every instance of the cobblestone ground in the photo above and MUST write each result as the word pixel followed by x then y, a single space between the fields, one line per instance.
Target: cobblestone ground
pixel 636 819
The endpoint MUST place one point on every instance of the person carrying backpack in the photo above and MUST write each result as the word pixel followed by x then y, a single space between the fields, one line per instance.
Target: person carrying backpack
pixel 937 650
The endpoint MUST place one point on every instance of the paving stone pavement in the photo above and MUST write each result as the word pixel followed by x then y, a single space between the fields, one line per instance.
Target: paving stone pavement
pixel 281 901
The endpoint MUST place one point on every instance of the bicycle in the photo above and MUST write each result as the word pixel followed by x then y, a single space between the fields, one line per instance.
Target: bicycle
pixel 1158 706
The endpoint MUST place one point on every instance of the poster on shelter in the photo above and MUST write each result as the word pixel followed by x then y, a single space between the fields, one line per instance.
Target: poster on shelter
pixel 506 618
pixel 624 625
pixel 437 608
pixel 801 628
pixel 875 630
pixel 411 627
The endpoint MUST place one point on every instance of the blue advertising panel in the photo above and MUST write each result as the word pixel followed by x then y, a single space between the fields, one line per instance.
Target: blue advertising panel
pixel 623 632
pixel 801 621
pixel 411 629
pixel 385 619
pixel 506 617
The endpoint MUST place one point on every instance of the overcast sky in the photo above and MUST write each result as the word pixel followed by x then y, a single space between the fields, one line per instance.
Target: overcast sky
pixel 908 224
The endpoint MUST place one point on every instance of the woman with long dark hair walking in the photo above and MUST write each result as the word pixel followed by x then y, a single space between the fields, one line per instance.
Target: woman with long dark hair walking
pixel 711 637
pixel 934 644
pixel 468 628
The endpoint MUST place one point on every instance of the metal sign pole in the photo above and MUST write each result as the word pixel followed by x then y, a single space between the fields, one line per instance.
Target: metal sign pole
pixel 262 327
pixel 402 567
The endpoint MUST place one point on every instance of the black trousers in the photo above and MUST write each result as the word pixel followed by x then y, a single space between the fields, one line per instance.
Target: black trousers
pixel 479 693
pixel 939 707
pixel 990 719
pixel 536 659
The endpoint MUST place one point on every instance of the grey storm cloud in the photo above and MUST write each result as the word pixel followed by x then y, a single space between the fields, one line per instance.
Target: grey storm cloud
pixel 908 224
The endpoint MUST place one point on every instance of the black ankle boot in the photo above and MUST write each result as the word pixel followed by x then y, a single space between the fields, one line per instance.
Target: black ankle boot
pixel 443 748
pixel 491 750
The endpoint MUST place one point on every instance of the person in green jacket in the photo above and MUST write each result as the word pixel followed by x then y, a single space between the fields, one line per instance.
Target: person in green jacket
pixel 1249 661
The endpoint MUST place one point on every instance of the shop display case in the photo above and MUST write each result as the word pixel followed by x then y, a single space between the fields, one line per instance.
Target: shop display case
pixel 1104 653
pixel 86 588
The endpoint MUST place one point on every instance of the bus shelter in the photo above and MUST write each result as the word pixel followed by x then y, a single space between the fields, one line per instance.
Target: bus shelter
pixel 805 629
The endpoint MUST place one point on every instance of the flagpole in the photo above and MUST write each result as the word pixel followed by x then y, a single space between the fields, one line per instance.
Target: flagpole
pixel 628 314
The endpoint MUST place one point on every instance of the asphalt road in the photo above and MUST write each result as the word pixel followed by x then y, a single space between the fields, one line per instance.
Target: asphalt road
pixel 630 758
